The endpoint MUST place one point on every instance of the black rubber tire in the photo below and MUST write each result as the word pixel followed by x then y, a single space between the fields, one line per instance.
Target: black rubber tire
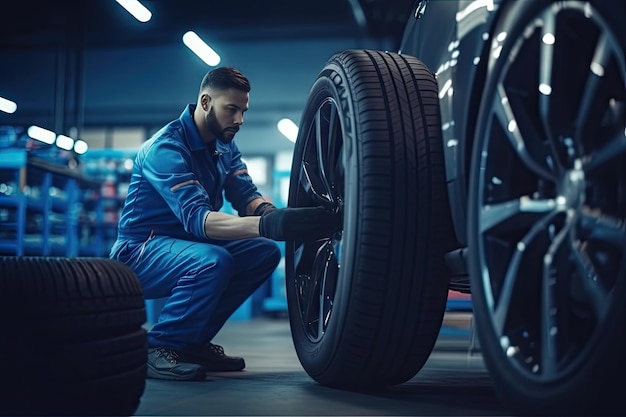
pixel 74 342
pixel 390 290
pixel 553 345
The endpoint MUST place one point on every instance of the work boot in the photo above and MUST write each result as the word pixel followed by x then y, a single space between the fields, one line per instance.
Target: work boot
pixel 165 363
pixel 213 359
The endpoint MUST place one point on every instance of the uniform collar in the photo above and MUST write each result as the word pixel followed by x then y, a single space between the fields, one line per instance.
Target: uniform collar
pixel 221 147
pixel 191 130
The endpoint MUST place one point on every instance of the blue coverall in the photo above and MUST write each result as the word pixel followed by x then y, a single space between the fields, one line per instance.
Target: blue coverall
pixel 176 181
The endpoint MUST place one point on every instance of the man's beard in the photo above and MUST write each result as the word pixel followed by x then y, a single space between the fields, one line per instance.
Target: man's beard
pixel 225 135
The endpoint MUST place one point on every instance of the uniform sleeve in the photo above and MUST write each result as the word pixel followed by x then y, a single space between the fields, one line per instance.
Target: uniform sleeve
pixel 168 168
pixel 239 188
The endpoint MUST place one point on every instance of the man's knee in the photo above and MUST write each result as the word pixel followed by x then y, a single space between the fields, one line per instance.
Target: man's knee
pixel 273 252
pixel 216 259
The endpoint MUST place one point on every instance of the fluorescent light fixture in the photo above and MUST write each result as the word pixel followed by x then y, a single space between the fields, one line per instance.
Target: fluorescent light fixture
pixel 135 8
pixel 80 147
pixel 42 135
pixel 200 48
pixel 65 142
pixel 288 128
pixel 7 105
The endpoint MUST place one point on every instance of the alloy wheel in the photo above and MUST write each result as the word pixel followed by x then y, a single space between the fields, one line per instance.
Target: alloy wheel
pixel 551 219
pixel 321 179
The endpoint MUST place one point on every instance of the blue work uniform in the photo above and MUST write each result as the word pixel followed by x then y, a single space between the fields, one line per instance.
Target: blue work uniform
pixel 176 181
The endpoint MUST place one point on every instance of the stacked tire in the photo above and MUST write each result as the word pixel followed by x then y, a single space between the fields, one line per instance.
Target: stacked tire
pixel 73 339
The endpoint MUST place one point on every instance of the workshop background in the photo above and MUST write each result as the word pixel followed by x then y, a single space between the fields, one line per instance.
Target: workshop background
pixel 84 84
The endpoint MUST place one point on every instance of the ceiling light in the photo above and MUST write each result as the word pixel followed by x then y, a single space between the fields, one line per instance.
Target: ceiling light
pixel 200 48
pixel 135 8
pixel 41 134
pixel 7 105
pixel 65 142
pixel 288 128
pixel 80 147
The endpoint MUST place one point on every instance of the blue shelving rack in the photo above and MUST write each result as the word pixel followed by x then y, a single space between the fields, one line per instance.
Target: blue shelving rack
pixel 39 205
pixel 102 205
pixel 12 202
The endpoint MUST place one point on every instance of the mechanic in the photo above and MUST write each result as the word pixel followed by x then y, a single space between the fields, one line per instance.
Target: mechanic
pixel 172 234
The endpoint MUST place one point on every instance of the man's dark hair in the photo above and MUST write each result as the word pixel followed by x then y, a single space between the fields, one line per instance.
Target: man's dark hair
pixel 223 78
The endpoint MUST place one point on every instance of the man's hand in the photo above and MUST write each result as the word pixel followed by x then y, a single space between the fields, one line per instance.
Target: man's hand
pixel 303 223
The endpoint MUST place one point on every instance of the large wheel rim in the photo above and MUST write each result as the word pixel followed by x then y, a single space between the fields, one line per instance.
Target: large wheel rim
pixel 550 218
pixel 320 181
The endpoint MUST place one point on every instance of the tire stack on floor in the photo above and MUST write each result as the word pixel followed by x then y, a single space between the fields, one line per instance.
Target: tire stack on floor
pixel 73 340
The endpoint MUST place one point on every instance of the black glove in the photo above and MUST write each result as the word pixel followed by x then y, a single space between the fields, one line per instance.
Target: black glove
pixel 263 208
pixel 303 223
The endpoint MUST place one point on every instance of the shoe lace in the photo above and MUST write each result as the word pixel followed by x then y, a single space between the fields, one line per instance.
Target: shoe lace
pixel 217 349
pixel 168 354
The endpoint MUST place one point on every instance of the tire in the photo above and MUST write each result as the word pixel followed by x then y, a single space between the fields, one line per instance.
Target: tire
pixel 547 209
pixel 366 305
pixel 74 343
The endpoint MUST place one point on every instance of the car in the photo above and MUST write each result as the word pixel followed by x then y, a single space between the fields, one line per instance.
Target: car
pixel 486 155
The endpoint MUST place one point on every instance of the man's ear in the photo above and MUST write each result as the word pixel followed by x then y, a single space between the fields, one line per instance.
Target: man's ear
pixel 205 100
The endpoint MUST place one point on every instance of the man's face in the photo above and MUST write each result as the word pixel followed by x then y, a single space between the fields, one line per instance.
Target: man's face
pixel 225 115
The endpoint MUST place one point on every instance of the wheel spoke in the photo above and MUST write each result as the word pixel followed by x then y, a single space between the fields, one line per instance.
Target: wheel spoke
pixel 327 272
pixel 329 148
pixel 316 278
pixel 514 214
pixel 313 184
pixel 616 145
pixel 321 319
pixel 615 148
pixel 323 137
pixel 504 300
pixel 604 228
pixel 546 61
pixel 549 311
pixel 321 170
pixel 305 282
pixel 593 226
pixel 588 277
pixel 589 98
pixel 504 114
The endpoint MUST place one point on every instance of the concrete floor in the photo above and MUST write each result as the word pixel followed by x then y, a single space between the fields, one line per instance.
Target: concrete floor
pixel 453 381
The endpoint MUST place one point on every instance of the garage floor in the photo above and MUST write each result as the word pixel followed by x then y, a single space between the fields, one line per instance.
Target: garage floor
pixel 453 381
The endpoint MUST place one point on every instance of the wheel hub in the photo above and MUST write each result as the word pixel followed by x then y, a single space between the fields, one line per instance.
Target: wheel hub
pixel 571 190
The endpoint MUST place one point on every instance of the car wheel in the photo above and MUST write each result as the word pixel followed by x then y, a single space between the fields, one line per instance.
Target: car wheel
pixel 366 304
pixel 74 342
pixel 547 209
